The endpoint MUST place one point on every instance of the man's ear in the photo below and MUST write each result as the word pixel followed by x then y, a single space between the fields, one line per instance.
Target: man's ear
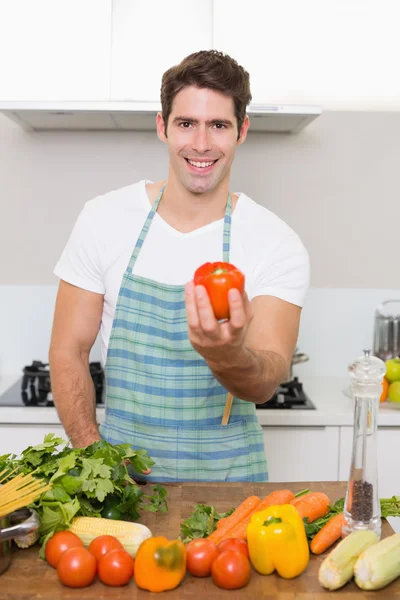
pixel 161 128
pixel 244 130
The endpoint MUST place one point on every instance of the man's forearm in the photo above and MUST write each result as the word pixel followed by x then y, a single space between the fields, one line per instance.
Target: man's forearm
pixel 74 397
pixel 253 375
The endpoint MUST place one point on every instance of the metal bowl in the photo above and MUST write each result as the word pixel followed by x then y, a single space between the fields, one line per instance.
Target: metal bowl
pixel 15 525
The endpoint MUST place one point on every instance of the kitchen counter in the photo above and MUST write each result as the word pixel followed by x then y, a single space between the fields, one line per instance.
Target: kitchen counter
pixel 333 405
pixel 30 578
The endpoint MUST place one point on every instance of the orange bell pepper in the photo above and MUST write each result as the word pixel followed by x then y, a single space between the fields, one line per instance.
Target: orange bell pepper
pixel 160 564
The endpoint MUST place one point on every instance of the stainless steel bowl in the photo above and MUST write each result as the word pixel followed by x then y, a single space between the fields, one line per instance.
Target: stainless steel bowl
pixel 15 525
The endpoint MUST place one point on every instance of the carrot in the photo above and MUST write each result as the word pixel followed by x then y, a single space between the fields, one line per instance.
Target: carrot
pixel 238 515
pixel 312 505
pixel 328 535
pixel 277 497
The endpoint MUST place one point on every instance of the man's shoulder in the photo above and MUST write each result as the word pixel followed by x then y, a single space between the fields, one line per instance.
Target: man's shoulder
pixel 261 220
pixel 124 198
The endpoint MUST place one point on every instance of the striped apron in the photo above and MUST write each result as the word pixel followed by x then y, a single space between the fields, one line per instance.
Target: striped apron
pixel 162 396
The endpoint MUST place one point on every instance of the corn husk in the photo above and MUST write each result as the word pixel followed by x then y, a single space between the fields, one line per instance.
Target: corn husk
pixel 379 565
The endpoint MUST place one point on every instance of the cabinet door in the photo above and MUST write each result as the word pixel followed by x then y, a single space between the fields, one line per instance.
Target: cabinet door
pixel 302 453
pixel 388 442
pixel 151 36
pixel 55 49
pixel 338 54
pixel 15 438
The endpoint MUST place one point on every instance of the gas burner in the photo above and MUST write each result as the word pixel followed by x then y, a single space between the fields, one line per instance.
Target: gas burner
pixel 289 395
pixel 36 384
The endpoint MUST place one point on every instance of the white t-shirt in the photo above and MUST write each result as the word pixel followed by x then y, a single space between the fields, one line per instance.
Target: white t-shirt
pixel 98 251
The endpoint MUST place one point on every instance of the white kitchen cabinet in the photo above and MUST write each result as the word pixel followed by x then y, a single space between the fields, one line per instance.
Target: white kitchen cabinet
pixel 15 438
pixel 334 53
pixel 388 442
pixel 302 453
pixel 150 36
pixel 55 49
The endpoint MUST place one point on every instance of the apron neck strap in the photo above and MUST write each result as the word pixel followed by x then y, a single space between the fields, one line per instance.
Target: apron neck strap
pixel 226 243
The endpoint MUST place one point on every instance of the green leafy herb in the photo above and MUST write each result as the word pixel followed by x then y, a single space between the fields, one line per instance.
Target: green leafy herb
pixel 83 479
pixel 201 522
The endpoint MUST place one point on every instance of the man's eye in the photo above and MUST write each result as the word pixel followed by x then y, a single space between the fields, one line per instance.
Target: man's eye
pixel 185 124
pixel 219 125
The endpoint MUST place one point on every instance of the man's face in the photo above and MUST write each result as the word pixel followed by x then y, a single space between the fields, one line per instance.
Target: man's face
pixel 202 137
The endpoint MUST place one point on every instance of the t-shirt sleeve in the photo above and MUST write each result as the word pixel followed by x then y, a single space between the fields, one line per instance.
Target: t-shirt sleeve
pixel 286 273
pixel 80 262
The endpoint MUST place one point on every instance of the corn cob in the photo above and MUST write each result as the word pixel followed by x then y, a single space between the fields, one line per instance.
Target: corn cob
pixel 379 565
pixel 131 535
pixel 337 568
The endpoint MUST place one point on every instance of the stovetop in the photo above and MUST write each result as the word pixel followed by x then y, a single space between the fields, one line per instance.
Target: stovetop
pixel 34 388
pixel 289 395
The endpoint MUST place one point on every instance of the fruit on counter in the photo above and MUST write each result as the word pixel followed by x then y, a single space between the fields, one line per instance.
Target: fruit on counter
pixel 130 535
pixel 337 568
pixel 393 369
pixel 385 389
pixel 312 505
pixel 76 567
pixel 160 564
pixel 240 529
pixel 59 543
pixel 218 278
pixel 234 544
pixel 231 570
pixel 277 541
pixel 103 544
pixel 116 567
pixel 201 554
pixel 378 565
pixel 84 481
pixel 394 391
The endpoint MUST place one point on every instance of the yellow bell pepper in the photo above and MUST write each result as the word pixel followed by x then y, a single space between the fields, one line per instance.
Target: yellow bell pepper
pixel 277 539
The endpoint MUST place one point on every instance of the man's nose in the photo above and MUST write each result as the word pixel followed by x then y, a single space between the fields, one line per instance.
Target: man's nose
pixel 202 140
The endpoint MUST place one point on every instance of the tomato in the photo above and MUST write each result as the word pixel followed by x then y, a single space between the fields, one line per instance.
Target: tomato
pixel 116 567
pixel 103 544
pixel 218 278
pixel 201 553
pixel 234 544
pixel 76 567
pixel 231 570
pixel 59 543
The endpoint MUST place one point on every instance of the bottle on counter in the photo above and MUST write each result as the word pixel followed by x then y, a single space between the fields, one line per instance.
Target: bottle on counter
pixel 362 506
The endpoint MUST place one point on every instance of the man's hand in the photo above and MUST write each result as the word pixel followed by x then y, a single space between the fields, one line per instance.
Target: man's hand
pixel 216 341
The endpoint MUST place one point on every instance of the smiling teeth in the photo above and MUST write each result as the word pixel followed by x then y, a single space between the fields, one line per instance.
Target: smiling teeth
pixel 201 164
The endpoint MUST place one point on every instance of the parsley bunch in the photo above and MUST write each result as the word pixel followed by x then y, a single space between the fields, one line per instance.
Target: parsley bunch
pixel 83 479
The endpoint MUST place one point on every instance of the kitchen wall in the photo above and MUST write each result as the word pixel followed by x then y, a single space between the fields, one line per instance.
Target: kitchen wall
pixel 335 183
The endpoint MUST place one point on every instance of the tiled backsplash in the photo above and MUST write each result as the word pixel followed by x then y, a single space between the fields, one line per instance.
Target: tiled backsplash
pixel 337 324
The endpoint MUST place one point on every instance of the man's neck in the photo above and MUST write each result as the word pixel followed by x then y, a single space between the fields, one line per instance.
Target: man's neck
pixel 186 211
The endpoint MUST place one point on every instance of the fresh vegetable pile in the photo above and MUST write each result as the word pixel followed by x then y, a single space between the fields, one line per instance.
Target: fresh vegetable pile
pixel 95 482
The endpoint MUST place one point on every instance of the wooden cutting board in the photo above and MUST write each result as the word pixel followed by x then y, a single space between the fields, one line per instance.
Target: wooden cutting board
pixel 30 578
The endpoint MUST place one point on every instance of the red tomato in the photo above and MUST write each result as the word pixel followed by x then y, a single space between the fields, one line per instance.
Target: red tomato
pixel 103 544
pixel 59 543
pixel 116 567
pixel 201 553
pixel 76 567
pixel 218 278
pixel 234 544
pixel 231 570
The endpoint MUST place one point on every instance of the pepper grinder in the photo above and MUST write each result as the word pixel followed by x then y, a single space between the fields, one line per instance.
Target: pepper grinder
pixel 362 506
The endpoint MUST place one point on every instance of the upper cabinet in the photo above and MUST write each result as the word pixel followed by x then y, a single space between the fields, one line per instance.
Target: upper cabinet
pixel 336 53
pixel 55 50
pixel 148 37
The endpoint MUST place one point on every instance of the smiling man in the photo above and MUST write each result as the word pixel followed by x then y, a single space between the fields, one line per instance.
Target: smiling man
pixel 127 271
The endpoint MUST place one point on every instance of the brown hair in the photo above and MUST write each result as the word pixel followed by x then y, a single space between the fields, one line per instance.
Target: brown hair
pixel 207 69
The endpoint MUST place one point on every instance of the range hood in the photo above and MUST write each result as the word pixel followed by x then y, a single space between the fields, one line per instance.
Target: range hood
pixel 140 116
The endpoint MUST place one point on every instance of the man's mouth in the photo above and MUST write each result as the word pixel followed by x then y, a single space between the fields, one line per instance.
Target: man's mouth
pixel 200 164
